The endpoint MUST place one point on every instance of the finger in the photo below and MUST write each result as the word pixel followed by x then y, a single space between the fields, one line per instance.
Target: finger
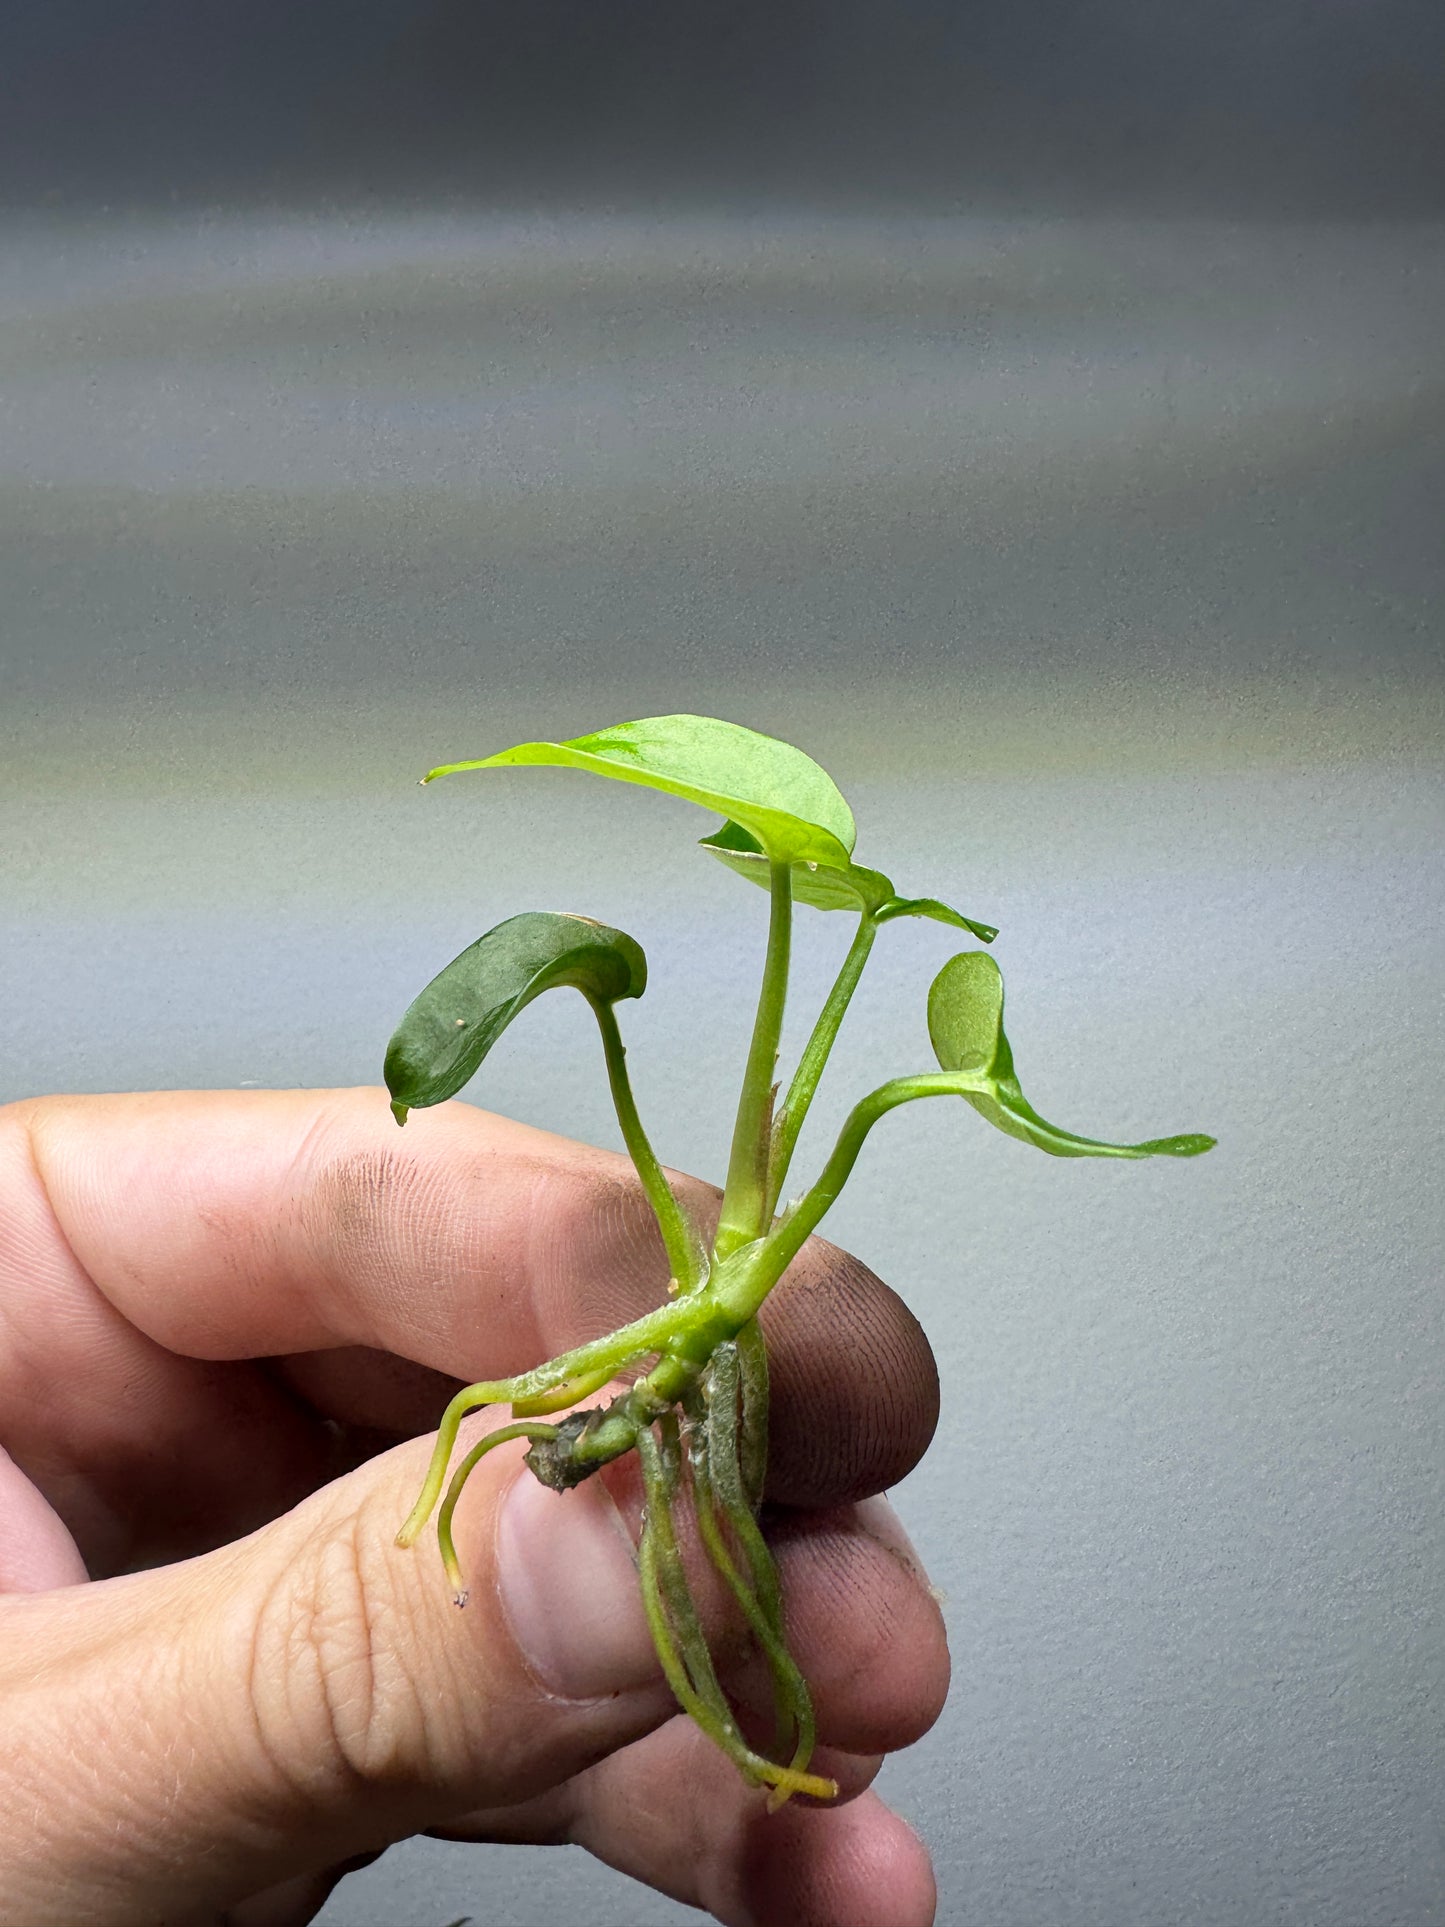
pixel 861 1619
pixel 670 1812
pixel 36 1551
pixel 867 1633
pixel 295 1902
pixel 311 1693
pixel 640 1773
pixel 161 1238
pixel 853 1386
pixel 178 1740
pixel 864 1625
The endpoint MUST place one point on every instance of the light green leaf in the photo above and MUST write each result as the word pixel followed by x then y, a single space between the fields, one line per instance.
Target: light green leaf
pixel 462 1012
pixel 965 1022
pixel 937 912
pixel 828 886
pixel 791 806
pixel 824 886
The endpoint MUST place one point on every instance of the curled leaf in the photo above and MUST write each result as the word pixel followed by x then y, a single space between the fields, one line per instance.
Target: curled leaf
pixel 830 886
pixel 789 804
pixel 452 1025
pixel 937 912
pixel 965 1023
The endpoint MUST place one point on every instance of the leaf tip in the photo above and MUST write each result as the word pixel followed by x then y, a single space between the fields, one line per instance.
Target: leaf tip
pixel 1195 1144
pixel 400 1112
pixel 1192 1144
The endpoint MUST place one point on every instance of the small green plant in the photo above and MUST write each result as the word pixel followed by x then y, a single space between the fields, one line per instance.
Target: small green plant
pixel 694 1407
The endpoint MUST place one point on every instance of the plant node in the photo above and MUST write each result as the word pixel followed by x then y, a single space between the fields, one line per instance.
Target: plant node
pixel 556 1461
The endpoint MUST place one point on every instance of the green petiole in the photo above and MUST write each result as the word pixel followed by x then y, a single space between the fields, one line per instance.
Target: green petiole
pixel 815 1056
pixel 747 1193
pixel 685 1254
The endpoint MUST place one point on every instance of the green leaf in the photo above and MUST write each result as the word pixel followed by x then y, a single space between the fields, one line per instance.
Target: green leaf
pixel 828 886
pixel 462 1012
pixel 938 913
pixel 965 1022
pixel 825 886
pixel 790 805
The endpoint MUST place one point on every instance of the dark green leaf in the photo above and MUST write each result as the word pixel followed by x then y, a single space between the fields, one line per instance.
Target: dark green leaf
pixel 465 1008
pixel 791 806
pixel 965 1022
pixel 828 886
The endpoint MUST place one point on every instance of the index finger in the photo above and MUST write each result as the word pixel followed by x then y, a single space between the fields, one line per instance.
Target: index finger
pixel 228 1226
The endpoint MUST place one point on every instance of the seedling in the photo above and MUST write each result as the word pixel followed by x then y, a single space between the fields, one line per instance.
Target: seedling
pixel 695 1369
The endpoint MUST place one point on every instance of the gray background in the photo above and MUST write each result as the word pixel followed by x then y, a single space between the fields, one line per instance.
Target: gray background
pixel 1079 508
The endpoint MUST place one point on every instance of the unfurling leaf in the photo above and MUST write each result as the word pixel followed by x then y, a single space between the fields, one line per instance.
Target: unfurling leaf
pixel 462 1012
pixel 830 886
pixel 965 1022
pixel 791 806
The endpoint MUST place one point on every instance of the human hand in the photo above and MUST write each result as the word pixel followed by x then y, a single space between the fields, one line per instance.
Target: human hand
pixel 219 1313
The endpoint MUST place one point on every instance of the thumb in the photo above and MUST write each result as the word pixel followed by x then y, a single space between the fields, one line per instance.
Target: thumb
pixel 179 1739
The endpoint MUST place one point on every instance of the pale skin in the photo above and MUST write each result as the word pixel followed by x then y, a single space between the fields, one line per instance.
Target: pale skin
pixel 224 1323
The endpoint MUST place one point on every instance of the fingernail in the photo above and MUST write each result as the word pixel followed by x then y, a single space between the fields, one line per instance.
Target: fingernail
pixel 881 1522
pixel 567 1576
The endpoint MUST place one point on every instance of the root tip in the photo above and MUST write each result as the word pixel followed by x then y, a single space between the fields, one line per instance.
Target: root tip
pixel 812 1785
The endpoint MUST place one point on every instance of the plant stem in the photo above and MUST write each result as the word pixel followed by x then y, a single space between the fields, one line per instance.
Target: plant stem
pixel 746 1194
pixel 684 1250
pixel 739 1298
pixel 790 1118
pixel 753 1426
pixel 789 1238
pixel 694 1321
